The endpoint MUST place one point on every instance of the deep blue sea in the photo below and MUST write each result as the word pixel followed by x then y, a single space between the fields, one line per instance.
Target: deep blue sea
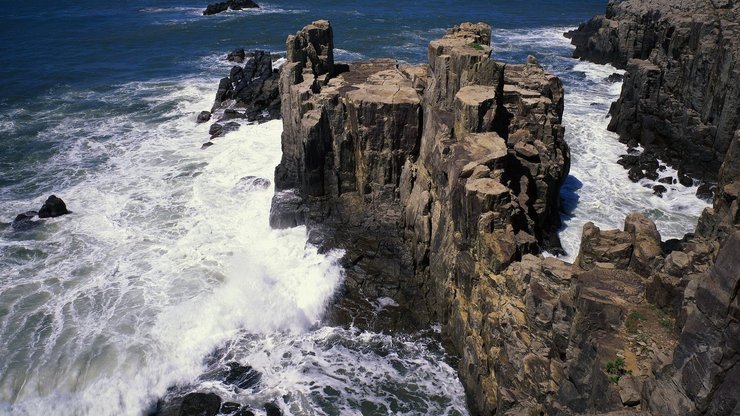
pixel 168 260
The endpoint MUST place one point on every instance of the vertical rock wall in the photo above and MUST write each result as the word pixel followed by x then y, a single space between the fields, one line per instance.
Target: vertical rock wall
pixel 681 93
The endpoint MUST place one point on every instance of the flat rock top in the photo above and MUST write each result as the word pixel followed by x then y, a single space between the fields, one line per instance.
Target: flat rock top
pixel 612 286
pixel 386 86
pixel 488 145
pixel 460 45
pixel 486 186
pixel 318 24
pixel 476 94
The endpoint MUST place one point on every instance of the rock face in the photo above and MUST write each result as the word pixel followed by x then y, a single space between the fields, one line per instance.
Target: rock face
pixel 53 207
pixel 253 88
pixel 681 92
pixel 230 4
pixel 431 177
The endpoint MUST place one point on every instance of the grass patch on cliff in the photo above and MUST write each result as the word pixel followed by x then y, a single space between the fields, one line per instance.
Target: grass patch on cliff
pixel 475 45
pixel 615 369
pixel 633 321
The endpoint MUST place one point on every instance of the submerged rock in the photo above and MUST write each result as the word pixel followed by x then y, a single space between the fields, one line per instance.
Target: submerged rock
pixel 53 207
pixel 241 376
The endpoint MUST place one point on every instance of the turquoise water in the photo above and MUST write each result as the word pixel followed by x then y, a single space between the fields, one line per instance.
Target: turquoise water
pixel 168 255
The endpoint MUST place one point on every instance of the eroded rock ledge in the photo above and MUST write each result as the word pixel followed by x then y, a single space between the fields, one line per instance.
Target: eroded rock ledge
pixel 681 93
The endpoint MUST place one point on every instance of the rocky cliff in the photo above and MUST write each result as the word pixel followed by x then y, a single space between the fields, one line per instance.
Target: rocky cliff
pixel 441 182
pixel 681 92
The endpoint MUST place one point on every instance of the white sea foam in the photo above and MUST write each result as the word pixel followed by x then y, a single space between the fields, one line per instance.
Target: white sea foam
pixel 348 372
pixel 164 257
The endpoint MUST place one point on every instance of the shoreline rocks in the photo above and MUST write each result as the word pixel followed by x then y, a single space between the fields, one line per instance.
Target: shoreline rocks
pixel 216 8
pixel 252 88
pixel 681 91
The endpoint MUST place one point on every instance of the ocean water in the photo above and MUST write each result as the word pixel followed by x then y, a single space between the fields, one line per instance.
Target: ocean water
pixel 167 263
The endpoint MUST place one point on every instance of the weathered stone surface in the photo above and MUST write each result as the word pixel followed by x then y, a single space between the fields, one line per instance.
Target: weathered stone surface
pixel 681 91
pixel 646 246
pixel 607 249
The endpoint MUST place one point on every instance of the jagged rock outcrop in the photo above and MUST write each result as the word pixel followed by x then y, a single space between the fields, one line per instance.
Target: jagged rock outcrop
pixel 681 92
pixel 252 87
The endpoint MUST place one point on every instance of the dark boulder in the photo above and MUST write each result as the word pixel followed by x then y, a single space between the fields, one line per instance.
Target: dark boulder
pixel 242 376
pixel 220 130
pixel 706 192
pixel 659 190
pixel 206 145
pixel 669 180
pixel 684 179
pixel 237 55
pixel 25 221
pixel 53 207
pixel 200 404
pixel 215 8
pixel 231 114
pixel 203 116
pixel 230 4
pixel 242 4
pixel 644 165
pixel 272 409
pixel 615 77
pixel 255 87
pixel 215 129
